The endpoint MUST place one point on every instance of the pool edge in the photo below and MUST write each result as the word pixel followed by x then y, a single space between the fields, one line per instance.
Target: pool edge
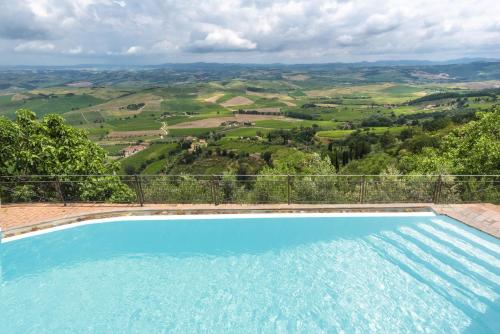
pixel 85 219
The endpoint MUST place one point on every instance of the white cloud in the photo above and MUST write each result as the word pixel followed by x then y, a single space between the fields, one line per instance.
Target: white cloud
pixel 76 50
pixel 120 3
pixel 381 23
pixel 344 40
pixel 35 46
pixel 266 30
pixel 164 46
pixel 134 50
pixel 220 39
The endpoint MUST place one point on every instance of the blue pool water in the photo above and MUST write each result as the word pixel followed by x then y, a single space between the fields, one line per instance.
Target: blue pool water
pixel 253 275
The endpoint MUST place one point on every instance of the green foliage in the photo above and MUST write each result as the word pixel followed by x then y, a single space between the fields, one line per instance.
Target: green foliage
pixel 492 92
pixel 135 106
pixel 50 147
pixel 436 124
pixel 273 188
pixel 55 104
pixel 372 164
pixel 180 189
pixel 298 162
pixel 473 148
pixel 139 161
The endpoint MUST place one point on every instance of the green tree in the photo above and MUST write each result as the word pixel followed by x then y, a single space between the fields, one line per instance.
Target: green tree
pixel 305 185
pixel 51 147
pixel 372 164
pixel 473 148
pixel 387 139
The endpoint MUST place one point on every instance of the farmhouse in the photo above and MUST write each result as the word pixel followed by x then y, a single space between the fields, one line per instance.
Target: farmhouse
pixel 230 124
pixel 196 144
pixel 128 151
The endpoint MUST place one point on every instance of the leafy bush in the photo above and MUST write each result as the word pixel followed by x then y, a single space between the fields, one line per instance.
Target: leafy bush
pixel 473 148
pixel 51 147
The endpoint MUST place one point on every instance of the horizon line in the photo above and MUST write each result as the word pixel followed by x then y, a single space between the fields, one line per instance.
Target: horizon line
pixel 464 60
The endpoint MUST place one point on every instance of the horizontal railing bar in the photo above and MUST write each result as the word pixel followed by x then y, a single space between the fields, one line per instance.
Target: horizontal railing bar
pixel 249 175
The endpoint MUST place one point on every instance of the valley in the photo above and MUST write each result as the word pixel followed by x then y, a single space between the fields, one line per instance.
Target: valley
pixel 252 117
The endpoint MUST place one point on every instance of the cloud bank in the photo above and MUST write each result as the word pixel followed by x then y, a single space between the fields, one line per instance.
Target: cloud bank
pixel 289 31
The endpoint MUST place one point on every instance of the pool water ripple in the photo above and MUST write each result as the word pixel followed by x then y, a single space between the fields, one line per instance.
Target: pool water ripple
pixel 254 275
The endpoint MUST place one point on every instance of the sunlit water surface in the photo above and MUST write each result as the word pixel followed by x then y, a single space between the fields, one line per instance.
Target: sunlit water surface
pixel 332 274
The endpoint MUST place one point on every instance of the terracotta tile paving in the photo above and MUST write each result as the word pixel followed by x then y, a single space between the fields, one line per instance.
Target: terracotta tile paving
pixel 483 216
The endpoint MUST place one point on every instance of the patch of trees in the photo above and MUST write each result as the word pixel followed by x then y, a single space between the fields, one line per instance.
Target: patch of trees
pixel 417 143
pixel 356 146
pixel 52 148
pixel 256 112
pixel 330 101
pixel 301 115
pixel 126 94
pixel 45 96
pixel 491 92
pixel 256 89
pixel 458 116
pixel 135 106
pixel 463 117
pixel 308 105
pixel 436 124
pixel 377 120
pixel 304 135
pixel 361 143
pixel 473 148
pixel 268 158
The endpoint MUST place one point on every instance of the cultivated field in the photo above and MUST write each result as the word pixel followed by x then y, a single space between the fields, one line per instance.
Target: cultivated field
pixel 213 98
pixel 216 121
pixel 318 105
pixel 128 134
pixel 237 101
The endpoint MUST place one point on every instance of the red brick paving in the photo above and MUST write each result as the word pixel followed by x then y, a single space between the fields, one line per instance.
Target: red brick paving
pixel 485 217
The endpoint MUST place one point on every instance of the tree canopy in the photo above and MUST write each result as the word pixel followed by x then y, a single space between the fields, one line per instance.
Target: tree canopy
pixel 51 147
pixel 473 148
pixel 48 147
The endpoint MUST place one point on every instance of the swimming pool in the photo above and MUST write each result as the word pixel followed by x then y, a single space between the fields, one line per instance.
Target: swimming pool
pixel 388 273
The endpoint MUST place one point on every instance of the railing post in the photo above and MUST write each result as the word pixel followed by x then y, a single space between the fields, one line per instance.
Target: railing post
pixel 212 187
pixel 362 190
pixel 288 185
pixel 138 186
pixel 59 190
pixel 437 190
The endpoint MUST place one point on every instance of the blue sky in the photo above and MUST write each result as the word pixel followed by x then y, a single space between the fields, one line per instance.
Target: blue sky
pixel 52 32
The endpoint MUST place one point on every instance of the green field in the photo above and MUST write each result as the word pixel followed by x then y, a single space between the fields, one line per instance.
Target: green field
pixel 246 132
pixel 278 124
pixel 56 104
pixel 248 146
pixel 214 165
pixel 186 105
pixel 191 132
pixel 316 102
pixel 339 134
pixel 114 150
pixel 402 90
pixel 148 156
pixel 155 167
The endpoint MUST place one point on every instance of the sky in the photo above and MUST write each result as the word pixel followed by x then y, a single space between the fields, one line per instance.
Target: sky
pixel 65 32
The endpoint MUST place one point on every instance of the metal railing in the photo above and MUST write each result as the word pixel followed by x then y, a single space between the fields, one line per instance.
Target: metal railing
pixel 251 189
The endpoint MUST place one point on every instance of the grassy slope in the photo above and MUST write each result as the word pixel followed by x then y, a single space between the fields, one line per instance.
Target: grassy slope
pixel 153 152
pixel 45 105
pixel 339 134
